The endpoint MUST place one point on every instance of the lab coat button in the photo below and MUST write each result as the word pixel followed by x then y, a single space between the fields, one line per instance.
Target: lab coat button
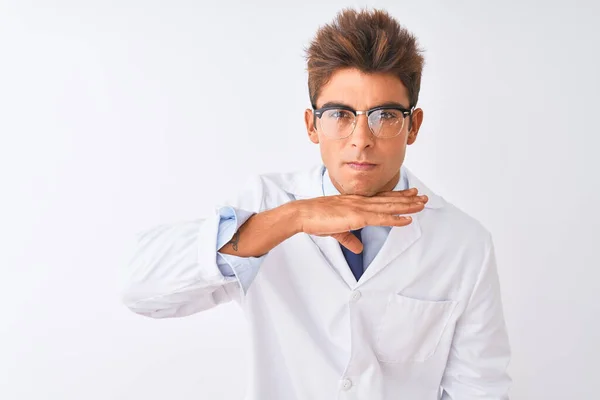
pixel 346 384
pixel 355 295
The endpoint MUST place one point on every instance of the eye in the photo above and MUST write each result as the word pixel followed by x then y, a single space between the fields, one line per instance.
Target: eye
pixel 339 114
pixel 389 114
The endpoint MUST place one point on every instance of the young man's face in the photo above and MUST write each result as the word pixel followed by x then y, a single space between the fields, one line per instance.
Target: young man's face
pixel 362 91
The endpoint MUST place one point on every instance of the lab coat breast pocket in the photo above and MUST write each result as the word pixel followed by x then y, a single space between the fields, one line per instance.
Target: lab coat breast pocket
pixel 411 329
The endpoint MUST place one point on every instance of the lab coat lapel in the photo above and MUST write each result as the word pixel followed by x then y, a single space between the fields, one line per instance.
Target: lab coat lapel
pixel 398 241
pixel 332 252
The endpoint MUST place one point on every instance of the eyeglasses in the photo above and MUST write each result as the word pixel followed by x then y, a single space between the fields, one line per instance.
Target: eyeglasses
pixel 339 122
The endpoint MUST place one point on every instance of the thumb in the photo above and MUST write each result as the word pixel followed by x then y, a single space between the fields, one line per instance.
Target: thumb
pixel 349 241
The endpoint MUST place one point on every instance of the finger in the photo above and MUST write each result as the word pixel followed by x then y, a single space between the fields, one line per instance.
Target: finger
pixel 395 208
pixel 397 199
pixel 405 192
pixel 349 241
pixel 389 220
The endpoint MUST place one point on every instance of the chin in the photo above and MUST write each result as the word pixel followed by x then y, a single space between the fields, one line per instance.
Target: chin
pixel 360 190
pixel 357 184
pixel 367 193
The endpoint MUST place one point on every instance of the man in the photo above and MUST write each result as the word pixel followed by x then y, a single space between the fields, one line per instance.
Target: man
pixel 358 281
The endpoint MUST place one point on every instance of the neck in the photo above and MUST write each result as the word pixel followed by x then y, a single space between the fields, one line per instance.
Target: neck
pixel 391 184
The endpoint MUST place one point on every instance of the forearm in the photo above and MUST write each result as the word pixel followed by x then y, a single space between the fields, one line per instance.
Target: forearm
pixel 263 231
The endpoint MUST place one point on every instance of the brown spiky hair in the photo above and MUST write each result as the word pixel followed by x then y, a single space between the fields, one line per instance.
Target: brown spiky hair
pixel 371 41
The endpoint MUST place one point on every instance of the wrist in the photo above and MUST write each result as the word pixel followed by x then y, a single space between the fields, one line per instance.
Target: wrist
pixel 292 213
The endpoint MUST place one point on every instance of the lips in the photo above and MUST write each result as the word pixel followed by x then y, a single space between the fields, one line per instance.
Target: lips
pixel 361 166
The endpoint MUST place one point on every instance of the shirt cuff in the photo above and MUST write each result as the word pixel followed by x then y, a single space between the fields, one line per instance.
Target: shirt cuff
pixel 243 268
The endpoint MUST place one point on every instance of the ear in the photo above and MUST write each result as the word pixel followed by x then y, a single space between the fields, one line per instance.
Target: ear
pixel 417 120
pixel 309 120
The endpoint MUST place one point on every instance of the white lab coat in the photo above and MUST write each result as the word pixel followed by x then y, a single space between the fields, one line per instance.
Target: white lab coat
pixel 424 321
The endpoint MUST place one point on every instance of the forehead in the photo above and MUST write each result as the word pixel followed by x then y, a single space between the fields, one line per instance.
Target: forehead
pixel 362 91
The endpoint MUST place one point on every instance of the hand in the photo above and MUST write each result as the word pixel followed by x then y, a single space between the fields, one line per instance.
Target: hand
pixel 336 216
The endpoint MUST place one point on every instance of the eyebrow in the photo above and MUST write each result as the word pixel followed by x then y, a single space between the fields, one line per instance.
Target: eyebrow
pixel 342 105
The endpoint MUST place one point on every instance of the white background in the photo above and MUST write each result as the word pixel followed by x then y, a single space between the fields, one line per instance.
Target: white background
pixel 116 117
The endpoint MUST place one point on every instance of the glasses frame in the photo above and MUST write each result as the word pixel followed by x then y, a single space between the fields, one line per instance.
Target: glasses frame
pixel 318 112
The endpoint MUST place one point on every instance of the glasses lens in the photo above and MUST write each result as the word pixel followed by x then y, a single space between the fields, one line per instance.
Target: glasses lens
pixel 337 123
pixel 386 123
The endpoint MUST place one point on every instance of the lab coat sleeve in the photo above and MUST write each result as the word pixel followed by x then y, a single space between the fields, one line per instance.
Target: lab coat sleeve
pixel 480 352
pixel 173 269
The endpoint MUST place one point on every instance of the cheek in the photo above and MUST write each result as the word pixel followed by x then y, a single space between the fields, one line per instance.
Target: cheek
pixel 393 148
pixel 330 149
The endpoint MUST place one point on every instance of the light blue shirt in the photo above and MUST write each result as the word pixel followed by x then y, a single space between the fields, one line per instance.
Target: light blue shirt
pixel 246 268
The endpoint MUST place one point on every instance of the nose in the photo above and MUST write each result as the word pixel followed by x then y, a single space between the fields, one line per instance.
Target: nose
pixel 362 137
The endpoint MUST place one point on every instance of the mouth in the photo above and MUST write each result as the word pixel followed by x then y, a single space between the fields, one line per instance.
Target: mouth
pixel 361 166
